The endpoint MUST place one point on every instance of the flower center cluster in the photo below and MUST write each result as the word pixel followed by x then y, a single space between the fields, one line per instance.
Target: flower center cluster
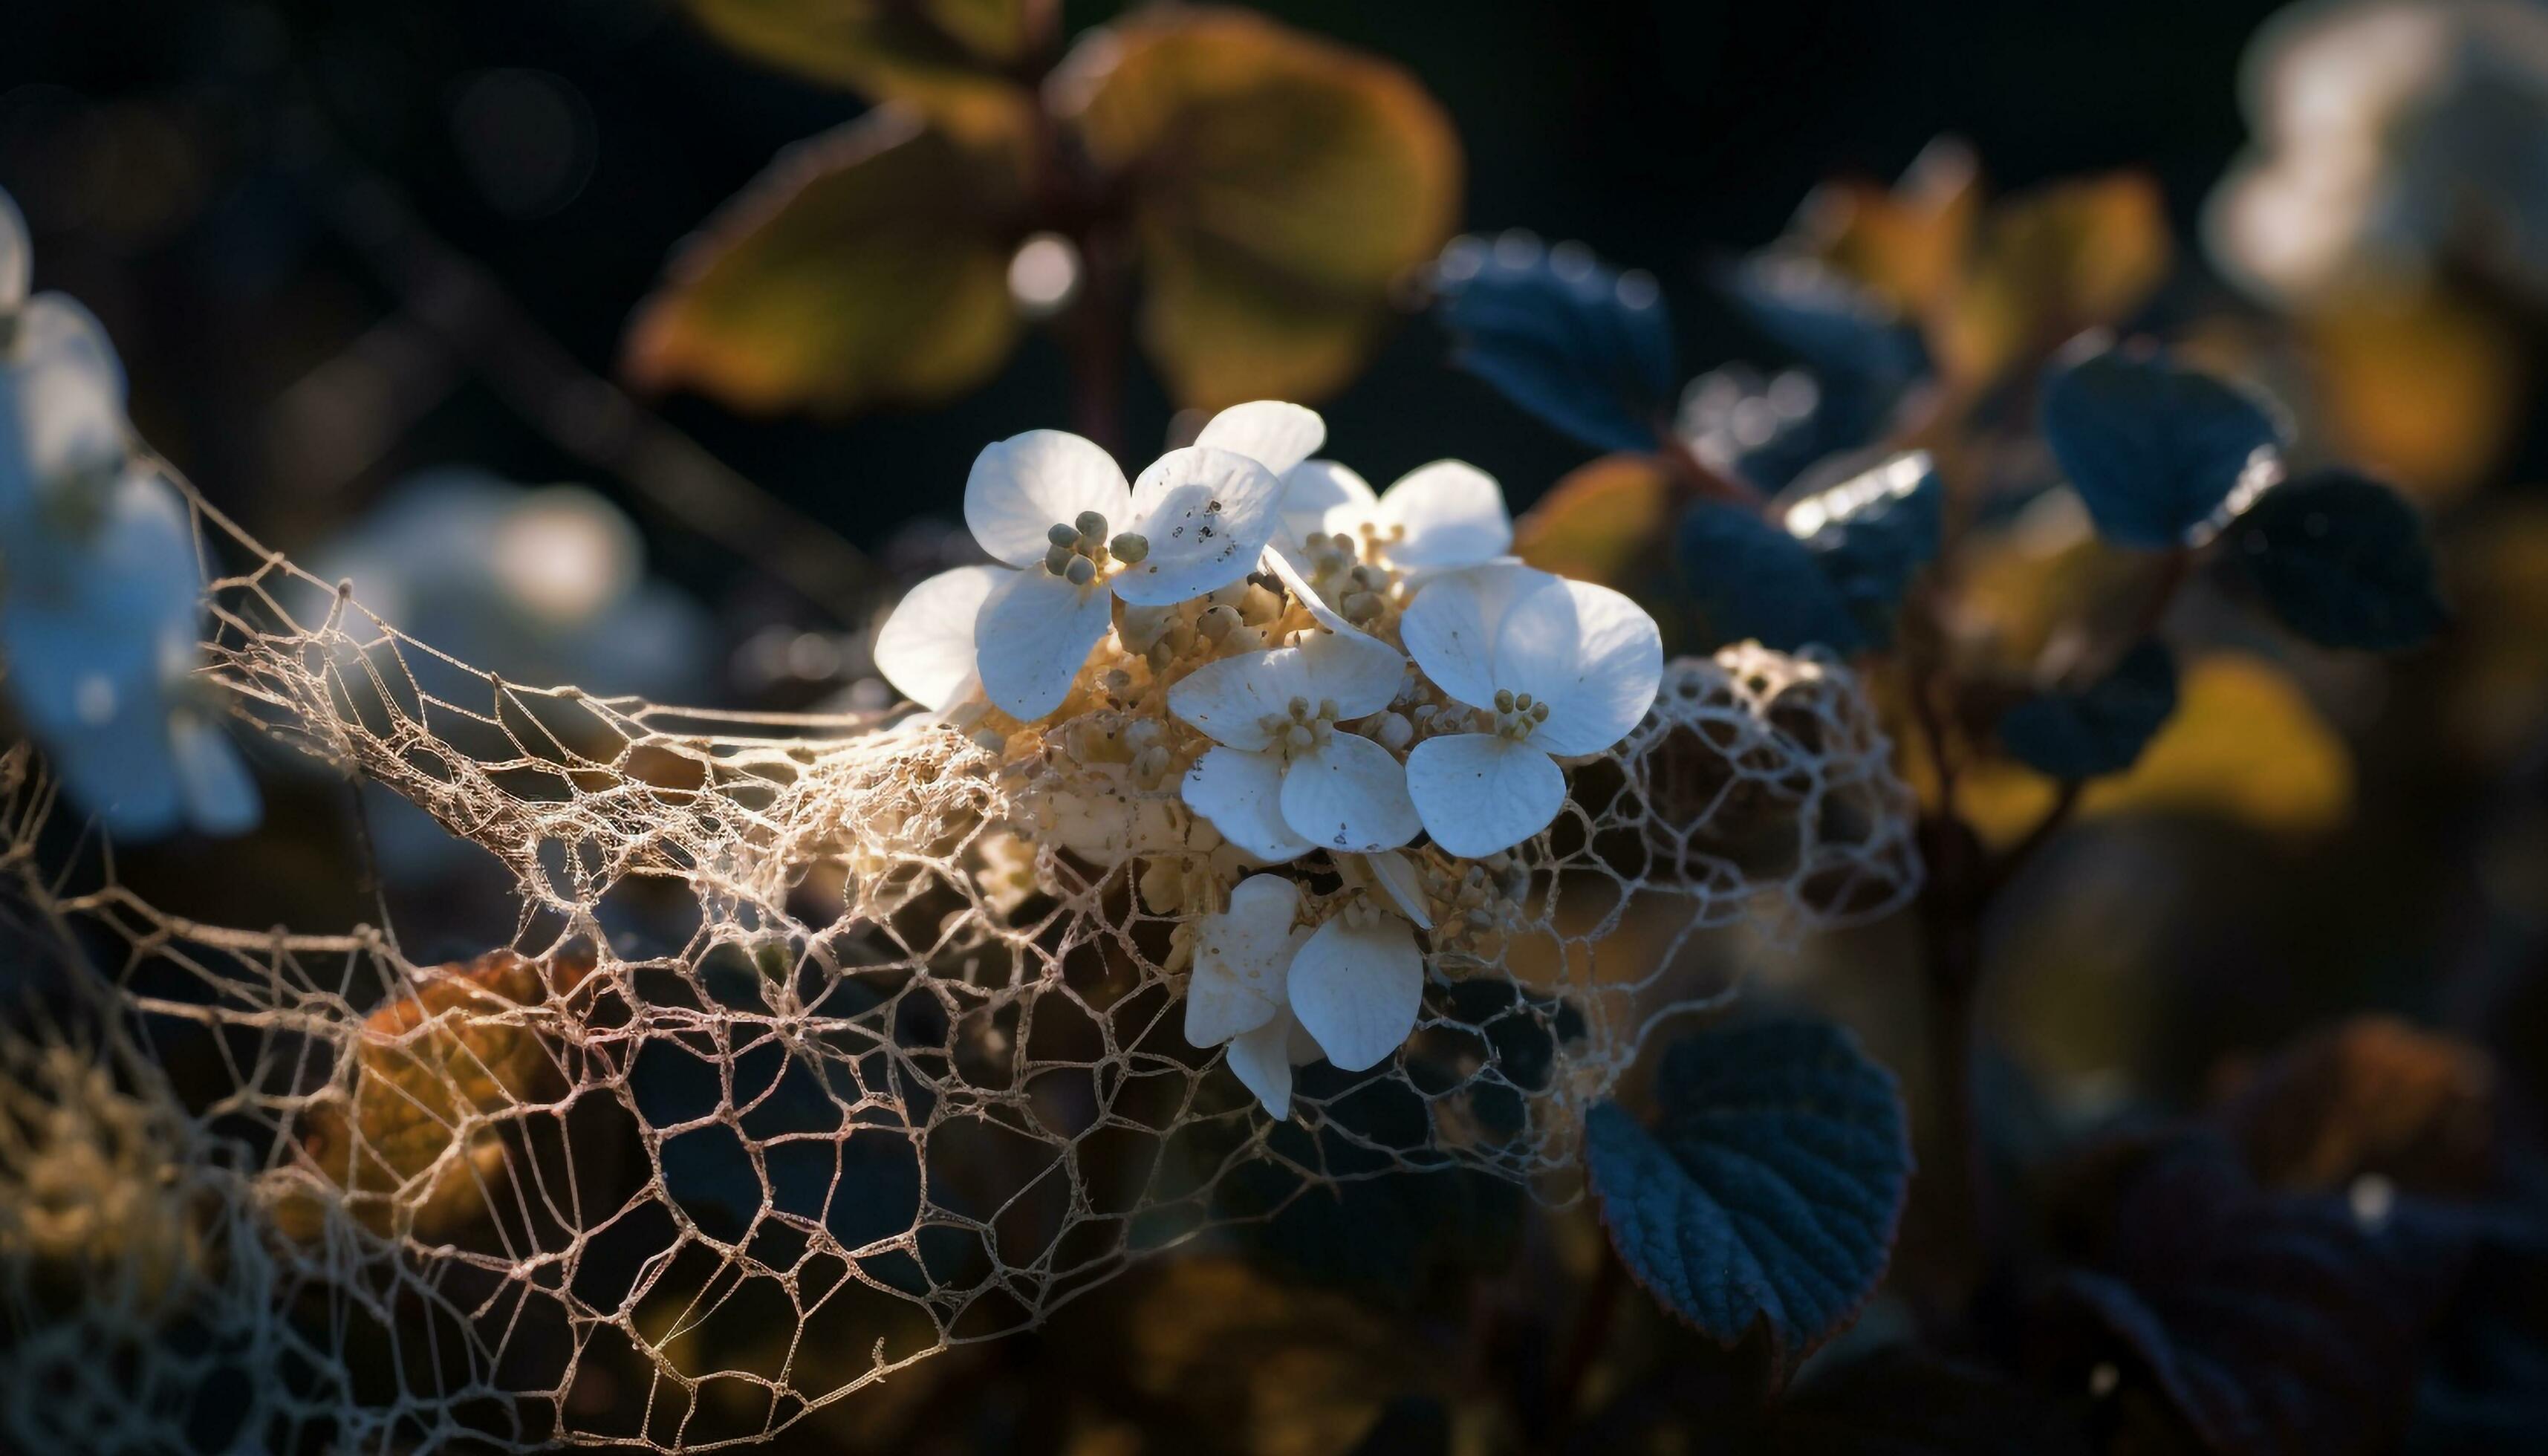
pixel 1359 589
pixel 1516 714
pixel 1081 548
pixel 1304 728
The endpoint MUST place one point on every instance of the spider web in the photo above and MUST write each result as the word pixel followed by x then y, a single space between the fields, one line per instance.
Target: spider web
pixel 816 1050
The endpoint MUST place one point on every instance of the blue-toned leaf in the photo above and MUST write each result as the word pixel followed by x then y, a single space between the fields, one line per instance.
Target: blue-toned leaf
pixel 1839 330
pixel 1766 430
pixel 1767 1195
pixel 2101 729
pixel 2152 447
pixel 2343 561
pixel 1751 579
pixel 1587 349
pixel 1871 533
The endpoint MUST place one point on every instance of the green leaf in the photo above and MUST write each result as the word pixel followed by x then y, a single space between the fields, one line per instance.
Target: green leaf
pixel 866 265
pixel 2101 729
pixel 1280 186
pixel 943 57
pixel 2343 559
pixel 1766 1196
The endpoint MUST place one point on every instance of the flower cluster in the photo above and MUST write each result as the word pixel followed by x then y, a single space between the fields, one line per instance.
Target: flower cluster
pixel 1270 679
pixel 100 589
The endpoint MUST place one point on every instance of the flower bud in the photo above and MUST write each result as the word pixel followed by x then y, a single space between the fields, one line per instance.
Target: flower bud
pixel 1092 526
pixel 1131 547
pixel 1503 700
pixel 1392 731
pixel 1217 623
pixel 1062 536
pixel 1081 571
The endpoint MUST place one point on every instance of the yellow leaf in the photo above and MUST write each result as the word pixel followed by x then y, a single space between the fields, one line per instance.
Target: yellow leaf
pixel 1907 243
pixel 2245 743
pixel 1280 185
pixel 1601 523
pixel 866 265
pixel 943 57
pixel 2426 388
pixel 453 1046
pixel 2072 255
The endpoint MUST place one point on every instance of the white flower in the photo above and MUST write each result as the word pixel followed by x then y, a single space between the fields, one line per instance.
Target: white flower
pixel 98 606
pixel 1356 985
pixel 1564 667
pixel 1280 994
pixel 1436 517
pixel 1054 507
pixel 1284 779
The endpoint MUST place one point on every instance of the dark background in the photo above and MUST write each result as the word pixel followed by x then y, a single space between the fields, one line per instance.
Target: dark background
pixel 170 158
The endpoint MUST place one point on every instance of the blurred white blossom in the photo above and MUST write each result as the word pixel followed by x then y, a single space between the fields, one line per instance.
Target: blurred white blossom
pixel 2389 136
pixel 101 603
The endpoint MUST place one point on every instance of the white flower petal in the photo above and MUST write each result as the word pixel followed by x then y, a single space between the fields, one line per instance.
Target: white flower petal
pixel 60 329
pixel 1590 654
pixel 926 648
pixel 1478 794
pixel 1361 673
pixel 1396 877
pixel 1357 989
pixel 1350 794
pixel 1242 957
pixel 1299 1048
pixel 1323 496
pixel 1261 1059
pixel 1227 696
pixel 1299 586
pixel 1032 634
pixel 1026 485
pixel 1450 627
pixel 1242 794
pixel 1207 516
pixel 1453 515
pixel 1270 432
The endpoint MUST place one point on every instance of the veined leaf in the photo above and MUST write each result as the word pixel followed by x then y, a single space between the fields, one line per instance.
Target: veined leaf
pixel 943 57
pixel 1280 186
pixel 1767 1195
pixel 2342 560
pixel 2153 448
pixel 2100 729
pixel 1584 348
pixel 866 265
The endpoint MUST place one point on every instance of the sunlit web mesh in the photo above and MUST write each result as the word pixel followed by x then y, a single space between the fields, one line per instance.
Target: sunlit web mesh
pixel 814 1053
